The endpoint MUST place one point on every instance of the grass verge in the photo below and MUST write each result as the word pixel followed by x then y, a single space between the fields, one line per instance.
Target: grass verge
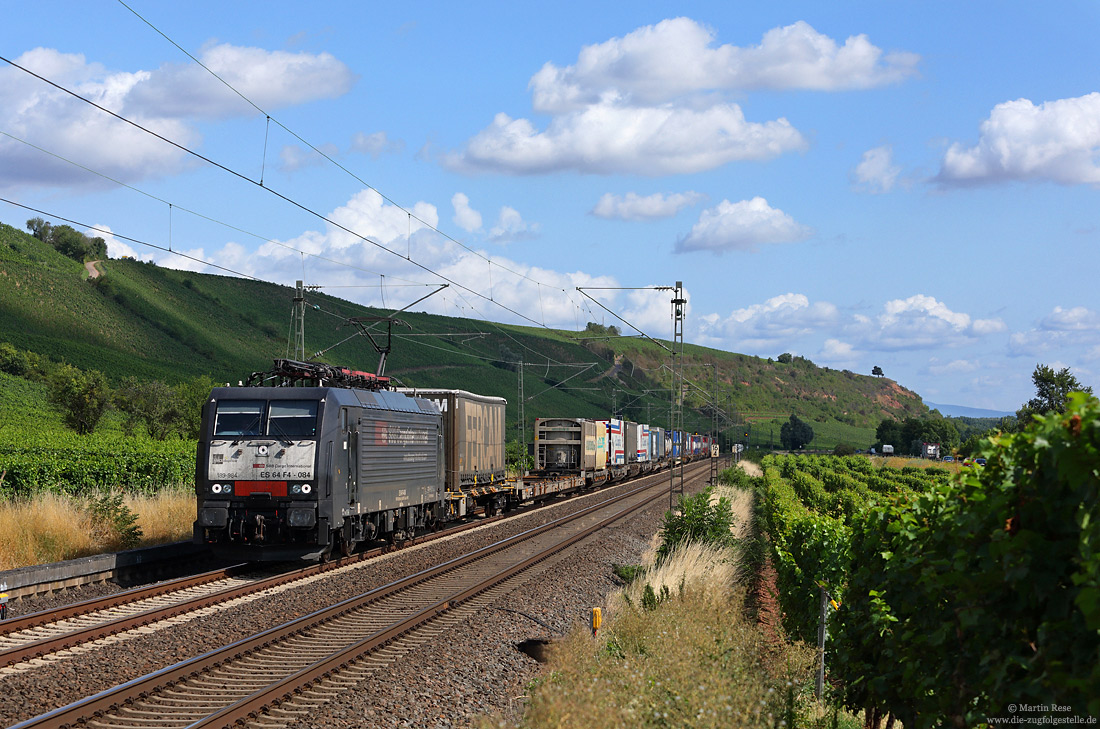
pixel 679 649
pixel 51 527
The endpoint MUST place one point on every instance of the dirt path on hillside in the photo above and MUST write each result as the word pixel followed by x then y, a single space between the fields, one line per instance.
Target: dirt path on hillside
pixel 93 272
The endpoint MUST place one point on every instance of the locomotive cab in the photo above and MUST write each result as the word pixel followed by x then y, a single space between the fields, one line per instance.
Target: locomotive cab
pixel 257 472
pixel 302 472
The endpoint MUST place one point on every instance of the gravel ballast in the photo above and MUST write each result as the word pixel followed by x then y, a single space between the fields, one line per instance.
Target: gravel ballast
pixel 470 670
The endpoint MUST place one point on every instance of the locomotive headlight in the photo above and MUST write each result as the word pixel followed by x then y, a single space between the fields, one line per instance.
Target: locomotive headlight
pixel 306 488
pixel 296 488
pixel 301 518
pixel 216 488
pixel 227 488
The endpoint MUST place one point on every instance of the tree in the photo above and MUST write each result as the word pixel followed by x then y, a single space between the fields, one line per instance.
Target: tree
pixel 151 404
pixel 69 242
pixel 39 228
pixel 97 249
pixel 877 371
pixel 888 432
pixel 517 457
pixel 82 396
pixel 794 434
pixel 785 358
pixel 1052 391
pixel 190 397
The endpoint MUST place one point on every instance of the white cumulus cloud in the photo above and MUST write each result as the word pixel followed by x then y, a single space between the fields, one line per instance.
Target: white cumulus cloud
pixel 657 63
pixel 742 226
pixel 166 101
pixel 465 217
pixel 1057 141
pixel 876 172
pixel 775 322
pixel 1062 328
pixel 1077 319
pixel 511 227
pixel 608 138
pixel 920 322
pixel 376 144
pixel 633 206
pixel 954 367
pixel 271 79
pixel 656 101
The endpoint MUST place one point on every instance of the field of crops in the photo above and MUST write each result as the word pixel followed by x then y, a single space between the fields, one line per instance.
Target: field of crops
pixel 959 594
pixel 37 453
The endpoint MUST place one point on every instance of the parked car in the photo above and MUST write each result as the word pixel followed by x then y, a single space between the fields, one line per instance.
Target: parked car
pixel 948 459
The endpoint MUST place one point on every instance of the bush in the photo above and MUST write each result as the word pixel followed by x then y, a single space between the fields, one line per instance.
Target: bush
pixel 82 396
pixel 115 521
pixel 698 520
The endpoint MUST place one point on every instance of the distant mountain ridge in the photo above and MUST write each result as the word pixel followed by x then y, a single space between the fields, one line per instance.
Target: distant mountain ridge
pixel 956 411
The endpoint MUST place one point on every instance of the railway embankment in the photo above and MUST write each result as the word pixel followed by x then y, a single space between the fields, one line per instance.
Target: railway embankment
pixel 467 671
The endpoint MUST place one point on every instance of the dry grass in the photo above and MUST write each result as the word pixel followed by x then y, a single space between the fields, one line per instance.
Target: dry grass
pixel 900 462
pixel 694 660
pixel 47 528
pixel 52 528
pixel 166 517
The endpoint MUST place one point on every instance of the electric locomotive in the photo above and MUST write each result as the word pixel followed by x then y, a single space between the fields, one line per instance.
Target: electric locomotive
pixel 286 472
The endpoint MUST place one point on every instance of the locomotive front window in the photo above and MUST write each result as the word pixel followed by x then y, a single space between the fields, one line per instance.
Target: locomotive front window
pixel 238 417
pixel 292 418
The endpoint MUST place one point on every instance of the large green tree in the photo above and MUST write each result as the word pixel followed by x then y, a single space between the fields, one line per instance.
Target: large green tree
pixel 794 434
pixel 906 436
pixel 82 396
pixel 1052 391
pixel 150 404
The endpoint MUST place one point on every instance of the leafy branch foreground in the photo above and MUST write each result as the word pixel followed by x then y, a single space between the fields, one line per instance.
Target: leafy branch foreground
pixel 961 594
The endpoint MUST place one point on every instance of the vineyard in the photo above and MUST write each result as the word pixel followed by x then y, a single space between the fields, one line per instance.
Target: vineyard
pixel 957 595
pixel 68 463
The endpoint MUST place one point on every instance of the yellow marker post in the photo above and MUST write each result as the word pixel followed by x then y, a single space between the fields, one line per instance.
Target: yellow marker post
pixel 597 619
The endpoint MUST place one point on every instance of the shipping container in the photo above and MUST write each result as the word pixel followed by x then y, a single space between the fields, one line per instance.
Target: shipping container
pixel 656 443
pixel 473 428
pixel 565 444
pixel 616 451
pixel 631 440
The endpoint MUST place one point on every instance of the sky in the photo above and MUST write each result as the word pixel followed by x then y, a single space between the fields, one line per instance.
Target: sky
pixel 907 185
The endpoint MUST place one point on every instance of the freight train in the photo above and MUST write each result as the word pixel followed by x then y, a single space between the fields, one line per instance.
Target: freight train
pixel 310 461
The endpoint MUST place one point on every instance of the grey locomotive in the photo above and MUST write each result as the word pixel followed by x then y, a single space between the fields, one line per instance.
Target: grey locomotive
pixel 291 471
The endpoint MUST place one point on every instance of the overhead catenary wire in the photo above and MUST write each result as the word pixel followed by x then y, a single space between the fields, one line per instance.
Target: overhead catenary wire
pixel 305 208
pixel 270 190
pixel 322 153
pixel 207 218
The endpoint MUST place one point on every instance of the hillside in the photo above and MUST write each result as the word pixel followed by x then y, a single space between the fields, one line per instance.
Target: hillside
pixel 143 320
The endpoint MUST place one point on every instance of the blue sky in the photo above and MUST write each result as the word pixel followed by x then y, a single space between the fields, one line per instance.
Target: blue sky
pixel 907 185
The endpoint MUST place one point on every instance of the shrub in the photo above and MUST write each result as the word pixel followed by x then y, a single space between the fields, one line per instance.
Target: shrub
pixel 698 520
pixel 82 396
pixel 115 522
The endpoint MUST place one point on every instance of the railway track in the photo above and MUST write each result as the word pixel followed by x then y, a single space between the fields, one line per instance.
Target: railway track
pixel 39 635
pixel 301 663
